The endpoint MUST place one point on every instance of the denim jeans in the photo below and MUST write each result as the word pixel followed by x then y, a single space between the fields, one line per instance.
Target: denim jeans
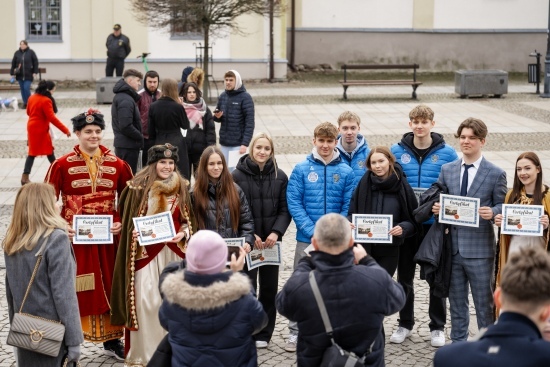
pixel 25 86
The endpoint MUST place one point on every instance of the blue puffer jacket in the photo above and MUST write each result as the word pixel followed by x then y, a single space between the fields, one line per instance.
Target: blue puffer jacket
pixel 210 318
pixel 357 159
pixel 237 121
pixel 422 172
pixel 315 188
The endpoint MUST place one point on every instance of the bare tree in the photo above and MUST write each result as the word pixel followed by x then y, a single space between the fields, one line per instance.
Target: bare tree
pixel 212 17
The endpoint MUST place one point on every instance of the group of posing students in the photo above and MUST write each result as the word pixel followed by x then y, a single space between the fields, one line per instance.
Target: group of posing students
pixel 208 324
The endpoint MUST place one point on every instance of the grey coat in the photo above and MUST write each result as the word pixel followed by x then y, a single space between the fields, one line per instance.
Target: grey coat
pixel 52 294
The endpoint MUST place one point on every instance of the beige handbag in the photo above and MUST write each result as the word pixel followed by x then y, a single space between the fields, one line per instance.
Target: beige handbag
pixel 32 332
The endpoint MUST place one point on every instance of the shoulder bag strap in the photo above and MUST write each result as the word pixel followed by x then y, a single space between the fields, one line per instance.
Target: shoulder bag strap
pixel 39 255
pixel 320 303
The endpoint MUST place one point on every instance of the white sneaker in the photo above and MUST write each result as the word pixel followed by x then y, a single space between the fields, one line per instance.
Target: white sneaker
pixel 438 338
pixel 260 344
pixel 400 334
pixel 291 344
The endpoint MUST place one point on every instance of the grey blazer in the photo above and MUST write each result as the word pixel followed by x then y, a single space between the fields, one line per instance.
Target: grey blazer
pixel 489 185
pixel 52 294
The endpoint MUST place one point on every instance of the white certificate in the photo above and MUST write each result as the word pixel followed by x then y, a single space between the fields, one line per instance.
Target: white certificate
pixel 522 220
pixel 372 228
pixel 418 191
pixel 267 256
pixel 234 247
pixel 155 228
pixel 92 229
pixel 459 210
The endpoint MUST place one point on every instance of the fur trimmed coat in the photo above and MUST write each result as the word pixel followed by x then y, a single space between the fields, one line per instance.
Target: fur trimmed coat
pixel 131 258
pixel 210 319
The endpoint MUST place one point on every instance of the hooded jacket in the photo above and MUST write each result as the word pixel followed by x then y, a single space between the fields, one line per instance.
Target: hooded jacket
pixel 28 61
pixel 237 121
pixel 357 297
pixel 126 119
pixel 210 319
pixel 315 189
pixel 144 103
pixel 266 194
pixel 357 159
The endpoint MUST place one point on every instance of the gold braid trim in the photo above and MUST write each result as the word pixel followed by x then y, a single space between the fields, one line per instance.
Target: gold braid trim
pixel 85 282
pixel 132 294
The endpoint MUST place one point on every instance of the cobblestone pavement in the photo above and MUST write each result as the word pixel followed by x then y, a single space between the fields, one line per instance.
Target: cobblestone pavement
pixel 518 122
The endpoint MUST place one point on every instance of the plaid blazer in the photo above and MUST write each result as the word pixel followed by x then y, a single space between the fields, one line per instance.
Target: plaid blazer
pixel 489 185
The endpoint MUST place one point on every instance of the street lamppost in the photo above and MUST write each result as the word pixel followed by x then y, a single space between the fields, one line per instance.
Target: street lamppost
pixel 546 93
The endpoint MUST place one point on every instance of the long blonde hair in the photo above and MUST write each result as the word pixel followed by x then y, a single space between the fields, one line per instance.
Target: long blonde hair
pixel 35 216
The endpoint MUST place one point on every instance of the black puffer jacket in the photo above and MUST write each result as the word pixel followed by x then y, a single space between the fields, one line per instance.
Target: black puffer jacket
pixel 266 195
pixel 118 47
pixel 246 223
pixel 237 121
pixel 28 61
pixel 125 117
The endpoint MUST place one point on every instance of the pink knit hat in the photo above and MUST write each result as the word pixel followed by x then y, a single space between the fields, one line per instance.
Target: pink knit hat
pixel 206 253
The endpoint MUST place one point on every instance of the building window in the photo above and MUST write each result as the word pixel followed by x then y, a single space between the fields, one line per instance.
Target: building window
pixel 43 19
pixel 185 26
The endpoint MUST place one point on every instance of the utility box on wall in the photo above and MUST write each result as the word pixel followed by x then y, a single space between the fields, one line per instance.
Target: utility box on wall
pixel 481 82
pixel 104 89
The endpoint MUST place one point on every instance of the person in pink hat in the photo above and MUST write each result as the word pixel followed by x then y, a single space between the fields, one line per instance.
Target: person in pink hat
pixel 210 312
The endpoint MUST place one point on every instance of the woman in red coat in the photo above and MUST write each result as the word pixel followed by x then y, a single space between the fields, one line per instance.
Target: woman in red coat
pixel 41 110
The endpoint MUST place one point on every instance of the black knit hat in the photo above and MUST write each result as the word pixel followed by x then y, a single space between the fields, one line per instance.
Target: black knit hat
pixel 158 152
pixel 90 117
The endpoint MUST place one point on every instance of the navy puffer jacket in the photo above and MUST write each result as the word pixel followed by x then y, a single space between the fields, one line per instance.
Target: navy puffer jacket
pixel 237 121
pixel 210 318
pixel 126 118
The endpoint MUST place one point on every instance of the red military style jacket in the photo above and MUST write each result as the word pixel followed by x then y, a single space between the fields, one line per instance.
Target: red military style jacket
pixel 87 188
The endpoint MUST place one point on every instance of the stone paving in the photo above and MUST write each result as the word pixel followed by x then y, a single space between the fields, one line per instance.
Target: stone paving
pixel 520 121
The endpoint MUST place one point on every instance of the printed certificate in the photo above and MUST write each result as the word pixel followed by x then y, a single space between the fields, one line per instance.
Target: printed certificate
pixel 267 256
pixel 418 191
pixel 372 228
pixel 459 210
pixel 522 220
pixel 92 229
pixel 233 247
pixel 155 228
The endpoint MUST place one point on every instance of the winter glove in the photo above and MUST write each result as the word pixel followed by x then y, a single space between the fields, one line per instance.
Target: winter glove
pixel 73 353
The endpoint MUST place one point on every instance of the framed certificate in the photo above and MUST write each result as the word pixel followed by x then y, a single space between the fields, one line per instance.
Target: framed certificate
pixel 522 220
pixel 155 228
pixel 459 210
pixel 373 228
pixel 92 229
pixel 234 247
pixel 267 256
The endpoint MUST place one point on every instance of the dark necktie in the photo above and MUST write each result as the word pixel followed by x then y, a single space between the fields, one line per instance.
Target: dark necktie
pixel 464 186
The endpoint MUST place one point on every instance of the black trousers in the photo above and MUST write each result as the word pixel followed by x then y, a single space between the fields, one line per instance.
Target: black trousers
pixel 130 156
pixel 29 162
pixel 437 309
pixel 387 256
pixel 113 64
pixel 194 158
pixel 268 279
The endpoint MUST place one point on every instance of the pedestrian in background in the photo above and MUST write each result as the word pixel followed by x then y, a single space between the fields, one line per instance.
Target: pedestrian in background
pixel 24 66
pixel 149 94
pixel 168 121
pixel 36 227
pixel 201 132
pixel 41 111
pixel 118 48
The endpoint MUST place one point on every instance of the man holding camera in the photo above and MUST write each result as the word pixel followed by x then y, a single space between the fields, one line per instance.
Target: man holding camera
pixel 356 291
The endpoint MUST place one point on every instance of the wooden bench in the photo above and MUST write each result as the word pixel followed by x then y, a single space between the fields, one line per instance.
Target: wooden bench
pixel 347 83
pixel 15 86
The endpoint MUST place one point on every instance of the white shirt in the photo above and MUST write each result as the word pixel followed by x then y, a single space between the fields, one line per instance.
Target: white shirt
pixel 471 172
